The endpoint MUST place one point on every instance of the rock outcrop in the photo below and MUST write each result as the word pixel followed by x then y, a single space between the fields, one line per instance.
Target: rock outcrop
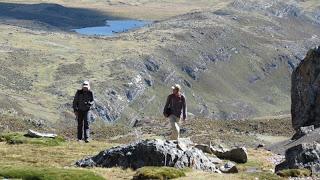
pixel 306 155
pixel 153 153
pixel 305 91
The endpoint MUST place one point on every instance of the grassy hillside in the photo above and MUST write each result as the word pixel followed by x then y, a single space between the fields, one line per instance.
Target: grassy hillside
pixel 234 60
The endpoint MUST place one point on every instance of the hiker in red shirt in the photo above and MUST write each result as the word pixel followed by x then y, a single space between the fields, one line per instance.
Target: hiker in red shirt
pixel 175 109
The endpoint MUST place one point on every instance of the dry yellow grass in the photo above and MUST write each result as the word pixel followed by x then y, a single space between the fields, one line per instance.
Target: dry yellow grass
pixel 40 156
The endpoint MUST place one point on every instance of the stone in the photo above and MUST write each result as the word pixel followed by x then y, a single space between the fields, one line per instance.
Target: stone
pixel 261 145
pixel 303 131
pixel 307 129
pixel 151 64
pixel 305 155
pixel 305 88
pixel 191 71
pixel 152 153
pixel 204 148
pixel 36 134
pixel 238 154
pixel 184 143
pixel 229 167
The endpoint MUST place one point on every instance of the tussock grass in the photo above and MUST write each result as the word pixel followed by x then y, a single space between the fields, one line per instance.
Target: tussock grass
pixel 260 175
pixel 257 159
pixel 294 173
pixel 19 138
pixel 159 173
pixel 47 173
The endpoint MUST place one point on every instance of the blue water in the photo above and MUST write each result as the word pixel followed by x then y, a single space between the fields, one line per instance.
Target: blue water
pixel 112 27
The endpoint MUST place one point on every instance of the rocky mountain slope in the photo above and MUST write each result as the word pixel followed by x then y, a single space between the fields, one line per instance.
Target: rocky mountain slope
pixel 234 62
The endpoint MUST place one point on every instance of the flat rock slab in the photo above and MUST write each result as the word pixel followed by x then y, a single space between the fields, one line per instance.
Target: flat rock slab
pixel 152 153
pixel 36 134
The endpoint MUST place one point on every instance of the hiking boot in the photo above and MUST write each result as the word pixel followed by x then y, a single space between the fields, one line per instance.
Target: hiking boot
pixel 86 141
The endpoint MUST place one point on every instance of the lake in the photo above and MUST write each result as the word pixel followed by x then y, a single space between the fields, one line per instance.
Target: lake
pixel 112 27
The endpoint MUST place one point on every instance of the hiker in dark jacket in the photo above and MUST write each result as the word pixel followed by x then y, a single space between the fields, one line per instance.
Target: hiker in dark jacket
pixel 174 109
pixel 82 104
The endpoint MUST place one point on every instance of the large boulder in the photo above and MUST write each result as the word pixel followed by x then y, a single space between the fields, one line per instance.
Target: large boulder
pixel 306 155
pixel 152 153
pixel 305 92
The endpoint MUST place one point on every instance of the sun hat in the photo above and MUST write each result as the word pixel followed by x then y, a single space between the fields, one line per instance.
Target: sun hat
pixel 176 86
pixel 86 84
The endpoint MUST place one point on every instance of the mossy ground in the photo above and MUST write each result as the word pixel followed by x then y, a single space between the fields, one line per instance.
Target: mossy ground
pixel 62 157
pixel 21 138
pixel 36 173
pixel 161 173
pixel 294 173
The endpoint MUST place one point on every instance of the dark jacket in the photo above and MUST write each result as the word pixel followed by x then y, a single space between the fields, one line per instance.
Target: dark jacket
pixel 83 101
pixel 177 105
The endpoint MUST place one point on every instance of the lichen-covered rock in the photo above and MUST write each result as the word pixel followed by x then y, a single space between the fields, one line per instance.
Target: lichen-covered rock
pixel 152 153
pixel 305 92
pixel 303 131
pixel 306 155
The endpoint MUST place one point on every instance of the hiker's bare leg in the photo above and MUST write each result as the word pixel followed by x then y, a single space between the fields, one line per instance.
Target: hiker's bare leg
pixel 175 129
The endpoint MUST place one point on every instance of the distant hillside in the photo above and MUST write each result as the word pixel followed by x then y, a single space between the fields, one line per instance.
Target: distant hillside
pixel 50 16
pixel 233 63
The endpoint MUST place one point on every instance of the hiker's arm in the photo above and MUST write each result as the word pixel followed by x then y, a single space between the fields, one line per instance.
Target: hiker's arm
pixel 75 104
pixel 184 109
pixel 92 102
pixel 166 105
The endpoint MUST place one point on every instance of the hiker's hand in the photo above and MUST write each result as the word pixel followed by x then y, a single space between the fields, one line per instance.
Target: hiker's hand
pixel 76 113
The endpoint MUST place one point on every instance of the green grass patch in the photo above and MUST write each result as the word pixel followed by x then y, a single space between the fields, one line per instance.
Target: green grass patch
pixel 19 138
pixel 248 165
pixel 260 175
pixel 294 173
pixel 35 173
pixel 159 173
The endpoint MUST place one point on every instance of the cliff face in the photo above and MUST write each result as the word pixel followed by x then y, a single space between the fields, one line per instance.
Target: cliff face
pixel 305 92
